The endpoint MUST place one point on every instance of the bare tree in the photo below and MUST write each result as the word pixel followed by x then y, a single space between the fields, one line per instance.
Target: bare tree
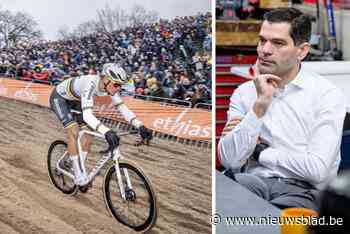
pixel 17 27
pixel 64 33
pixel 85 29
pixel 111 19
pixel 140 16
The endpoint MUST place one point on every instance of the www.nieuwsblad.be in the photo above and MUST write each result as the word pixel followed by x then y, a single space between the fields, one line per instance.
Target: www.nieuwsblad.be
pixel 273 220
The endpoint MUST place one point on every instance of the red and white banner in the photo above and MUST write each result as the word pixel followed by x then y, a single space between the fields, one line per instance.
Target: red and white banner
pixel 188 123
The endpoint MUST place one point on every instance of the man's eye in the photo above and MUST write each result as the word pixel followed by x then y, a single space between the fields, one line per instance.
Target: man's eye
pixel 262 42
pixel 278 43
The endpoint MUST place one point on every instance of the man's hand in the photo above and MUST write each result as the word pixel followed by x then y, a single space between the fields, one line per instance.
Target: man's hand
pixel 266 86
pixel 112 139
pixel 146 134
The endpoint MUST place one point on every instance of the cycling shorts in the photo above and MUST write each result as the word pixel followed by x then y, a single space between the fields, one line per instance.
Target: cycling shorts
pixel 68 112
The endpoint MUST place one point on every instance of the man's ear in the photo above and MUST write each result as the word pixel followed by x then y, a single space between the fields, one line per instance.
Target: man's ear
pixel 303 50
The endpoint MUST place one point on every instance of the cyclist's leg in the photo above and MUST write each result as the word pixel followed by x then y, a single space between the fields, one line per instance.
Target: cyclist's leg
pixel 86 142
pixel 72 131
pixel 62 109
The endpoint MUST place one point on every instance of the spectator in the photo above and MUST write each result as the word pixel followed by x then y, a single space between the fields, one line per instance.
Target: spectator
pixel 144 50
pixel 202 93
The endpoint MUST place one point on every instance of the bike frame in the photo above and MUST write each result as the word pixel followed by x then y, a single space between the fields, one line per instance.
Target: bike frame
pixel 115 155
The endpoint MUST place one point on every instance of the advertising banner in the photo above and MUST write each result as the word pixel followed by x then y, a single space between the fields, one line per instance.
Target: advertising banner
pixel 188 123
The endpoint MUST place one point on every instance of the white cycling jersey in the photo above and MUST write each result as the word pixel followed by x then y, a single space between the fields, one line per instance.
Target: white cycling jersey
pixel 84 89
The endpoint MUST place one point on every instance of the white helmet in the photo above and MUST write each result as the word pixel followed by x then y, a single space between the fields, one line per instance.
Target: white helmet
pixel 115 73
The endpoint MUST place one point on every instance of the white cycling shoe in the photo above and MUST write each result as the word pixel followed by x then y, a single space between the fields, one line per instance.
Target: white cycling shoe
pixel 79 177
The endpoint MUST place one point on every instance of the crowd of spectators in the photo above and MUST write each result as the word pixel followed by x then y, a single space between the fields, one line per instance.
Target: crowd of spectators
pixel 169 59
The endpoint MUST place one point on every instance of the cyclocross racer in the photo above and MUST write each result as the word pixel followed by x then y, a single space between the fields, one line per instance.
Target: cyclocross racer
pixel 77 93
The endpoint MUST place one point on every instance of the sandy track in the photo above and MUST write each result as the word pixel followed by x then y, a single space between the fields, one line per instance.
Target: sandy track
pixel 29 203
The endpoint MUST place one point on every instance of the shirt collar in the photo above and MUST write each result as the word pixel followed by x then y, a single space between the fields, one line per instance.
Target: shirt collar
pixel 300 80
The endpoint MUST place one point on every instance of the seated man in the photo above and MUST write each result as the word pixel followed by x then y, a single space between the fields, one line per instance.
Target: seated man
pixel 285 126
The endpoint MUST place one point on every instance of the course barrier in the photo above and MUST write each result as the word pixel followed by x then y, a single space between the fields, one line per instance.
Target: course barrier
pixel 165 101
pixel 189 124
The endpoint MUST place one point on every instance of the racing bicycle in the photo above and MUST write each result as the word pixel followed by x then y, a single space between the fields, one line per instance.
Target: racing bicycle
pixel 128 193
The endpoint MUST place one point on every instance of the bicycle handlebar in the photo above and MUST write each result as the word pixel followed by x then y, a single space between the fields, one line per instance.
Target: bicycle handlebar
pixel 139 143
pixel 127 133
pixel 109 149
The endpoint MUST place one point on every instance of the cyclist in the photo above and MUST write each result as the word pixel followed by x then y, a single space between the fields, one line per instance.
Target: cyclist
pixel 77 94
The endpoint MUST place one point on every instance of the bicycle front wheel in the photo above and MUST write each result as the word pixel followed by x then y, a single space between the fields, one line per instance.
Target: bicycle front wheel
pixel 139 210
pixel 59 180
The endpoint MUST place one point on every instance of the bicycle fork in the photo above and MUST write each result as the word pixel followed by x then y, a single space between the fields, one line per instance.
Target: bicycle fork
pixel 120 180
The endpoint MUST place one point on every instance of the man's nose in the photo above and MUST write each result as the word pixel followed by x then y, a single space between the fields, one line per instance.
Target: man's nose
pixel 267 48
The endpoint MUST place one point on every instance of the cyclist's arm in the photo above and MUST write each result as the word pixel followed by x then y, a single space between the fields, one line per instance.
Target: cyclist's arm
pixel 87 104
pixel 126 112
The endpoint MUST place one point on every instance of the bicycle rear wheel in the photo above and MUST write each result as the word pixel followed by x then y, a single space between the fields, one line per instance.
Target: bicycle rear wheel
pixel 139 210
pixel 58 179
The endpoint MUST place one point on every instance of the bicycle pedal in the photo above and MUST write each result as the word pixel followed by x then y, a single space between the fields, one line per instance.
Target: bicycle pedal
pixel 85 188
pixel 138 143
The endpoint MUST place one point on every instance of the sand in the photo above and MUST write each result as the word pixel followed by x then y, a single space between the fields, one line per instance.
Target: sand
pixel 29 203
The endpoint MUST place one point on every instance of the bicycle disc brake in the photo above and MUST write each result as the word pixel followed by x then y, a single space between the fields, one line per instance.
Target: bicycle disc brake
pixel 130 195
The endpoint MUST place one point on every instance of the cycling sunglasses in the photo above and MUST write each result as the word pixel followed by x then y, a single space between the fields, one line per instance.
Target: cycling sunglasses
pixel 116 84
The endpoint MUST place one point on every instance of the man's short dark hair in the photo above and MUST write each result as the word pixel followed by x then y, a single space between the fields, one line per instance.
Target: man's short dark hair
pixel 300 30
